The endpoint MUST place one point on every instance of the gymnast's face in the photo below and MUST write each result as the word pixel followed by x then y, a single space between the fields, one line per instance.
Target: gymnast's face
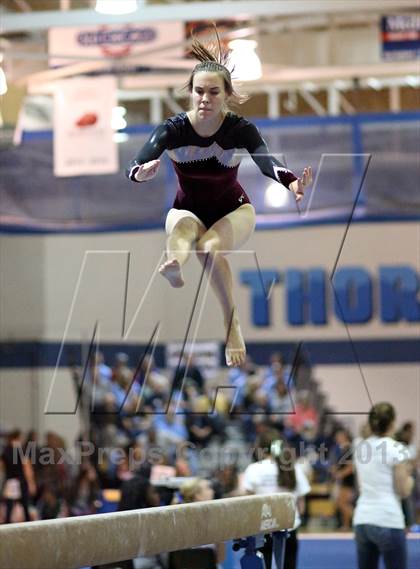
pixel 208 95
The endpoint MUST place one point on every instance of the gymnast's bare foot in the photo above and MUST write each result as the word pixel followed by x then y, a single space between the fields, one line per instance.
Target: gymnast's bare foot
pixel 235 351
pixel 171 270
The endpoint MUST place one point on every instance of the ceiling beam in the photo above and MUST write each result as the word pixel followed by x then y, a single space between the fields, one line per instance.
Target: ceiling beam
pixel 23 5
pixel 197 11
pixel 290 76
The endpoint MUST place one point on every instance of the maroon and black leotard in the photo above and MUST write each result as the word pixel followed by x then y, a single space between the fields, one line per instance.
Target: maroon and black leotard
pixel 207 167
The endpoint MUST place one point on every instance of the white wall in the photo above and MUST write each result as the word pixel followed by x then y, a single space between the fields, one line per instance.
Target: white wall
pixel 22 311
pixel 41 275
pixel 322 47
pixel 350 390
pixel 23 396
pixel 39 283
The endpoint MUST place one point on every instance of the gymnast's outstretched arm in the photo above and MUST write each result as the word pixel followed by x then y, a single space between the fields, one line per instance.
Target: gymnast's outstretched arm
pixel 269 166
pixel 145 165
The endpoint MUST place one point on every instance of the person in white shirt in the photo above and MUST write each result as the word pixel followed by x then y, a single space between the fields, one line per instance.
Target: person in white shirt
pixel 383 475
pixel 278 472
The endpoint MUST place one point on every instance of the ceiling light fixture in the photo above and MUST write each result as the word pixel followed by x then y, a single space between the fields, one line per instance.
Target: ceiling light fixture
pixel 244 60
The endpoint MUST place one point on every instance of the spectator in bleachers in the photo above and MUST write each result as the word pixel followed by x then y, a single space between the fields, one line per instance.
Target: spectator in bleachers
pixel 310 450
pixel 124 390
pixel 101 378
pixel 104 370
pixel 281 404
pixel 256 409
pixel 239 378
pixel 304 413
pixel 275 372
pixel 55 472
pixel 343 476
pixel 405 435
pixel 154 385
pixel 228 482
pixel 52 504
pixel 31 448
pixel 188 369
pixel 19 481
pixel 200 490
pixel 84 491
pixel 201 424
pixel 121 362
pixel 139 493
pixel 170 430
pixel 101 402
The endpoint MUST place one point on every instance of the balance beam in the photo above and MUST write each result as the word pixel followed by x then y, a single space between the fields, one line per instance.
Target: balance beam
pixel 71 543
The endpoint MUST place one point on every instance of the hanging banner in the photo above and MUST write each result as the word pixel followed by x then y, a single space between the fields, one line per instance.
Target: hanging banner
pixel 83 136
pixel 113 42
pixel 400 37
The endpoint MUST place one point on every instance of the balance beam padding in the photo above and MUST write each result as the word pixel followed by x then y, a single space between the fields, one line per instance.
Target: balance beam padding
pixel 72 543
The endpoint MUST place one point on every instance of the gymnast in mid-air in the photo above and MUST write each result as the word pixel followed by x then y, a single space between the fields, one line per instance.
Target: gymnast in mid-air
pixel 211 212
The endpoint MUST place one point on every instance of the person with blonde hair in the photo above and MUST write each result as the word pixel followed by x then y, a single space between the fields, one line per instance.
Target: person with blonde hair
pixel 201 490
pixel 211 211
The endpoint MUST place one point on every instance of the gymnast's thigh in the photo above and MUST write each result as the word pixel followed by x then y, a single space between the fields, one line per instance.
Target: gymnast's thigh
pixel 233 230
pixel 176 215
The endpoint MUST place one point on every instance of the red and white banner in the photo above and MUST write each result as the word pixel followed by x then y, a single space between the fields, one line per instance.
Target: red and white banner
pixel 83 136
pixel 114 42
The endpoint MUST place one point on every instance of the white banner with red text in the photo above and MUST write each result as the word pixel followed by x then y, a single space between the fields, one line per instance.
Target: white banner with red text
pixel 83 135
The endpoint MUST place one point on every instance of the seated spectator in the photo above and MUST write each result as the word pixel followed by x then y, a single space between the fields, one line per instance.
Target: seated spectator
pixel 274 372
pixel 239 378
pixel 281 404
pixel 343 476
pixel 188 369
pixel 139 493
pixel 304 412
pixel 256 409
pixel 99 381
pixel 200 490
pixel 124 390
pixel 104 370
pixel 203 425
pixel 121 364
pixel 170 430
pixel 228 482
pixel 52 505
pixel 405 435
pixel 19 480
pixel 84 491
pixel 152 383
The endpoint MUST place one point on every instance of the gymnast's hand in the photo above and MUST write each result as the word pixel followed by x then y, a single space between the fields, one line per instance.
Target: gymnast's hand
pixel 298 186
pixel 147 170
